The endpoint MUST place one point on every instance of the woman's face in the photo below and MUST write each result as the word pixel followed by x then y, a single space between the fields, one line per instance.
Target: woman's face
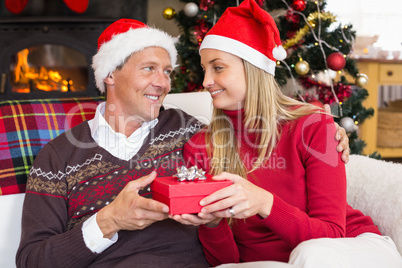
pixel 224 78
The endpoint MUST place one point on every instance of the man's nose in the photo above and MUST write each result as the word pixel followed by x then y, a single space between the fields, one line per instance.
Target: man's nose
pixel 162 80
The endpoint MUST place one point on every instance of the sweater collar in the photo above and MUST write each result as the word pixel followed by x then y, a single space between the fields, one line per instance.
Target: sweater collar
pixel 237 118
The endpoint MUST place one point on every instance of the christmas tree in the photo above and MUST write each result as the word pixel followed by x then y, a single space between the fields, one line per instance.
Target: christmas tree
pixel 318 68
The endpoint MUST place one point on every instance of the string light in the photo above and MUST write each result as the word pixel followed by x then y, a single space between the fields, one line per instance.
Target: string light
pixel 319 42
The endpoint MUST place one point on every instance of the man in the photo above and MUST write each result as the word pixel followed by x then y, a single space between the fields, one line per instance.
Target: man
pixel 85 203
pixel 88 202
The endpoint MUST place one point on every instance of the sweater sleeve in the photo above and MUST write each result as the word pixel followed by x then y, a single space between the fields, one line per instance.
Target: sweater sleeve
pixel 218 243
pixel 325 215
pixel 45 238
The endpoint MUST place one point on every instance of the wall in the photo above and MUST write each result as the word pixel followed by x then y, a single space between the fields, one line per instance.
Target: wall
pixel 149 11
pixel 155 18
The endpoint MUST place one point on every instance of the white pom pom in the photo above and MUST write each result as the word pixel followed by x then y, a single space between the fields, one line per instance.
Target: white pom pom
pixel 279 53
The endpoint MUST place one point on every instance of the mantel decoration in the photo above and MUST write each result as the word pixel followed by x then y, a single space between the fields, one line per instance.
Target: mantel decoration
pixel 17 6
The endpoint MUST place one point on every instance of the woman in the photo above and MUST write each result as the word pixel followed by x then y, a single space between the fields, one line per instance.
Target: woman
pixel 289 184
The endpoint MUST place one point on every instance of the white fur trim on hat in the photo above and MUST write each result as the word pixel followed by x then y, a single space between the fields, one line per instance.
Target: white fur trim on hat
pixel 239 49
pixel 113 53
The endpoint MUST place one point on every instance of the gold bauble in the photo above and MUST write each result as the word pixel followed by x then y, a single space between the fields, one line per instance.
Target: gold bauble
pixel 302 67
pixel 361 80
pixel 169 13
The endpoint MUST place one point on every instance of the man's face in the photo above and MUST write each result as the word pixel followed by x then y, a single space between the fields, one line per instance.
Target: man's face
pixel 139 88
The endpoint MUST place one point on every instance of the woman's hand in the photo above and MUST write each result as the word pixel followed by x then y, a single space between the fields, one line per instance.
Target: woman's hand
pixel 241 200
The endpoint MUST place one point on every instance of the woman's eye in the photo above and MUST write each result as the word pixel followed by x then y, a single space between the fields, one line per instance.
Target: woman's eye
pixel 218 68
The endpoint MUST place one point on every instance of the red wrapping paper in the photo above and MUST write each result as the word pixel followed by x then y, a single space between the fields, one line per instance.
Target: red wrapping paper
pixel 184 197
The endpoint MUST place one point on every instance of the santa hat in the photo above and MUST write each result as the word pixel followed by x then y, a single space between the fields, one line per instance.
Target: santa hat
pixel 248 32
pixel 120 40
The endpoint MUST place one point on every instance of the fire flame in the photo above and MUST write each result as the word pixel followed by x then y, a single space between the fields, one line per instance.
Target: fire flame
pixel 43 80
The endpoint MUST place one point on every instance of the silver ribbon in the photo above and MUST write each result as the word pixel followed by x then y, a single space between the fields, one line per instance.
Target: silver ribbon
pixel 190 174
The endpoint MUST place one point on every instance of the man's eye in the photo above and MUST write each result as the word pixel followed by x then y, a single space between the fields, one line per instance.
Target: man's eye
pixel 149 68
pixel 168 72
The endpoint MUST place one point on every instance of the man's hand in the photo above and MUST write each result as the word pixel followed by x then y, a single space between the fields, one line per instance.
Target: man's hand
pixel 341 136
pixel 130 211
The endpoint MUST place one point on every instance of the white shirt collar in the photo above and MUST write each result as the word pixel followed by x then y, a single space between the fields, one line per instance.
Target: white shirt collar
pixel 114 142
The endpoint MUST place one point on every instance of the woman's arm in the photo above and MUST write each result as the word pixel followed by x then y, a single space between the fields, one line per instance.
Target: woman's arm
pixel 218 242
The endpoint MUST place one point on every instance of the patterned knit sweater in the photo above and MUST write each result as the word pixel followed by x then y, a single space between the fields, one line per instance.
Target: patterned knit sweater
pixel 307 178
pixel 72 178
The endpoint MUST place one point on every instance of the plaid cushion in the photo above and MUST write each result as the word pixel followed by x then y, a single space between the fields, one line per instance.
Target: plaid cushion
pixel 27 125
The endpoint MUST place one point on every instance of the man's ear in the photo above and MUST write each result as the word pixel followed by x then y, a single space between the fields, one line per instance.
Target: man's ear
pixel 109 80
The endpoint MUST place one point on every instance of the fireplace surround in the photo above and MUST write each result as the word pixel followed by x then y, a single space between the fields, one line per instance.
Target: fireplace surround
pixel 55 42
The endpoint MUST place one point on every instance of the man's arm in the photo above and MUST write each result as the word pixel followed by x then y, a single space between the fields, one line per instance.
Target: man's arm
pixel 45 238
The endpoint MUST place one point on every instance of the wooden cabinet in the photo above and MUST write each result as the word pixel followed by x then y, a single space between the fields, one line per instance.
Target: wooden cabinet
pixel 380 72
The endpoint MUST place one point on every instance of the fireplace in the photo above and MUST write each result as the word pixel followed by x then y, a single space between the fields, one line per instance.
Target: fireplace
pixel 48 57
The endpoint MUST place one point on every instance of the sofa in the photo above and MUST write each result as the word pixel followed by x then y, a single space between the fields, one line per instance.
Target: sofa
pixel 374 186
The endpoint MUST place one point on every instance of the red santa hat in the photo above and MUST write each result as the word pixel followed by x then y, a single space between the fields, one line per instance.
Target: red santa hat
pixel 121 39
pixel 248 32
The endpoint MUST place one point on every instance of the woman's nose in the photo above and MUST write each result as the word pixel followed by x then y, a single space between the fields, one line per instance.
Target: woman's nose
pixel 208 80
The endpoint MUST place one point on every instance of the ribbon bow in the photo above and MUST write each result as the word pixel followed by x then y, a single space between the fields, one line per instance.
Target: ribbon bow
pixel 190 174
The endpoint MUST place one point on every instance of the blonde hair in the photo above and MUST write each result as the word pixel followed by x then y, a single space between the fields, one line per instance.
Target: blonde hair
pixel 265 108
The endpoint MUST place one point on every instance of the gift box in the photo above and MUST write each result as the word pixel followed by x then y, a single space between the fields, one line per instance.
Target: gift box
pixel 183 197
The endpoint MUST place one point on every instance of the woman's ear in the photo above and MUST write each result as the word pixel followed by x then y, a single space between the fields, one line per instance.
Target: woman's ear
pixel 109 80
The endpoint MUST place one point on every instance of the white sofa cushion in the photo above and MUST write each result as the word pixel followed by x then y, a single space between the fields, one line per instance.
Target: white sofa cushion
pixel 10 227
pixel 375 188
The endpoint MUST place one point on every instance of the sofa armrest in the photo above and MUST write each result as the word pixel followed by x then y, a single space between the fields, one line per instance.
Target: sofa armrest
pixel 375 188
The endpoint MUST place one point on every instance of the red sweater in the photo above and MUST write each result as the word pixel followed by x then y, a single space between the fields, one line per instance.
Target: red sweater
pixel 307 178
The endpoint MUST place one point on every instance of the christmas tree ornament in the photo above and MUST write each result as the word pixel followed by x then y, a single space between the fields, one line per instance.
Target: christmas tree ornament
pixel 299 5
pixel 361 80
pixel 293 19
pixel 169 13
pixel 206 4
pixel 201 30
pixel 336 61
pixel 78 6
pixel 16 6
pixel 302 67
pixel 348 124
pixel 191 9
